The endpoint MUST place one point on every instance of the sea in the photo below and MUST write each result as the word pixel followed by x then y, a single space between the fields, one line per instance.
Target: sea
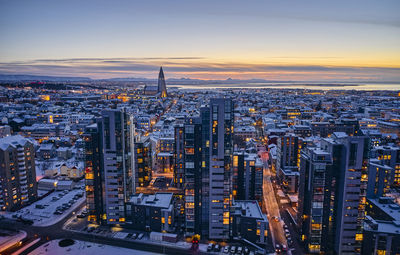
pixel 293 85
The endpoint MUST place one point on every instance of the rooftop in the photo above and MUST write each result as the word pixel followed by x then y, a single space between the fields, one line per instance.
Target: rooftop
pixel 248 208
pixel 14 140
pixel 162 200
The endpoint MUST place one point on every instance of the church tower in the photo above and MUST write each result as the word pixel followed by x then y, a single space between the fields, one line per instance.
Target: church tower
pixel 162 88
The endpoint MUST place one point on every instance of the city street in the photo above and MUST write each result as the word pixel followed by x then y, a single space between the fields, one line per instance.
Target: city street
pixel 272 207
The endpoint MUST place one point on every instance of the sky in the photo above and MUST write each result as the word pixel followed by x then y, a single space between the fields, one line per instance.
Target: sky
pixel 274 40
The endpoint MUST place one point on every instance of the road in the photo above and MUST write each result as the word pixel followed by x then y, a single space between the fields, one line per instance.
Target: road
pixel 272 207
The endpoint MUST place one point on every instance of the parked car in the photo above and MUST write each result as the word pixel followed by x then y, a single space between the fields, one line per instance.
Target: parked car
pixel 240 249
pixel 210 247
pixel 226 249
pixel 140 236
pixel 217 248
pixel 233 249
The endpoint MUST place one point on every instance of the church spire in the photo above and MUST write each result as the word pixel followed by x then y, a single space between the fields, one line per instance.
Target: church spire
pixel 162 87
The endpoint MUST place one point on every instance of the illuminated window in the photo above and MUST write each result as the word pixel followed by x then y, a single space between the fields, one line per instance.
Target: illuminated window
pixel 235 161
pixel 189 151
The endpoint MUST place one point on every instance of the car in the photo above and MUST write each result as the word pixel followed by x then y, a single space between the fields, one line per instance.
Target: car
pixel 226 249
pixel 278 248
pixel 276 219
pixel 140 236
pixel 246 250
pixel 90 229
pixel 57 212
pixel 217 248
pixel 134 236
pixel 54 198
pixel 239 250
pixel 129 235
pixel 284 248
pixel 80 216
pixel 233 249
pixel 210 247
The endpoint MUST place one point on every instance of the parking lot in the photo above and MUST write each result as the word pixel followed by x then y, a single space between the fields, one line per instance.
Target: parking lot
pixel 81 225
pixel 50 209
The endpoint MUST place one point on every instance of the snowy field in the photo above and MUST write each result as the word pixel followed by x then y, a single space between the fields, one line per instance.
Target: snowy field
pixel 86 248
pixel 46 217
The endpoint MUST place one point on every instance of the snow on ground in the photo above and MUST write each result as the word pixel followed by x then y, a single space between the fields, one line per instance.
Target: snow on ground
pixel 8 239
pixel 86 248
pixel 46 217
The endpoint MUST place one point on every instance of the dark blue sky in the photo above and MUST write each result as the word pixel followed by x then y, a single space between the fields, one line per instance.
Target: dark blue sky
pixel 202 39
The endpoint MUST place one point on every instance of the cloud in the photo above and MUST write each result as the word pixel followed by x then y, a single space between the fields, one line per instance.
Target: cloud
pixel 193 67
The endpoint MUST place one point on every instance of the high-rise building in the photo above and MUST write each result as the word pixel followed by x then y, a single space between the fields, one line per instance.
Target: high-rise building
pixel 389 156
pixel 94 174
pixel 205 169
pixel 115 177
pixel 192 176
pixel 247 176
pixel 179 160
pixel 288 161
pixel 162 87
pixel 203 155
pixel 143 162
pixel 220 184
pixel 381 234
pixel 379 179
pixel 17 172
pixel 332 194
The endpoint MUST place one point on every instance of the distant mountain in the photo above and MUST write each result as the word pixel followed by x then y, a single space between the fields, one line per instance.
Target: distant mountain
pixel 172 81
pixel 22 77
